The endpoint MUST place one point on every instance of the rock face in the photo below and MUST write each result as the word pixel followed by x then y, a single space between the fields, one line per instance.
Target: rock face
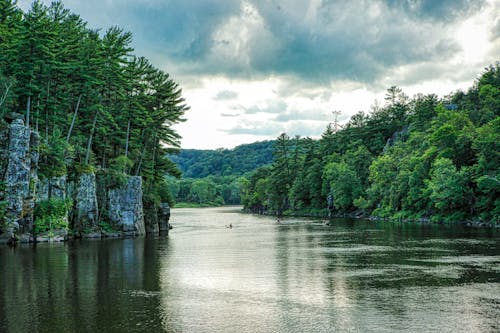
pixel 57 187
pixel 164 217
pixel 17 180
pixel 125 207
pixel 86 210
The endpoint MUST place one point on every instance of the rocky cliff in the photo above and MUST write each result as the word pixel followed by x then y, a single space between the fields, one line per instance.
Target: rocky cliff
pixel 125 207
pixel 23 191
pixel 19 210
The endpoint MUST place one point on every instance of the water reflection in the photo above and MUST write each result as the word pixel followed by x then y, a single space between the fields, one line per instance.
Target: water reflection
pixel 85 286
pixel 298 276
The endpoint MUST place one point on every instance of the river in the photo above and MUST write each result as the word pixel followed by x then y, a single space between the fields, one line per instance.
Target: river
pixel 259 276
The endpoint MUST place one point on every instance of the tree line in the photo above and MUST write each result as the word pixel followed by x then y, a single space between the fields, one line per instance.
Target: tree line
pixel 412 158
pixel 97 106
pixel 196 163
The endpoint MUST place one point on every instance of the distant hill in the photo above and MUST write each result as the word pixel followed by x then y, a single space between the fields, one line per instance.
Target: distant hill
pixel 195 163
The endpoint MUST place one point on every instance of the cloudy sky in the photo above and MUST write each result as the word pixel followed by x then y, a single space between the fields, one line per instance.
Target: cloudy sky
pixel 252 69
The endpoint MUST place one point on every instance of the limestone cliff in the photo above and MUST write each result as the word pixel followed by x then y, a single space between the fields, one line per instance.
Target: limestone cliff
pixel 19 210
pixel 125 207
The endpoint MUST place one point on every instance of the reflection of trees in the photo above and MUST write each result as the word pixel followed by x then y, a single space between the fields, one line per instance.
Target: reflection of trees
pixel 86 286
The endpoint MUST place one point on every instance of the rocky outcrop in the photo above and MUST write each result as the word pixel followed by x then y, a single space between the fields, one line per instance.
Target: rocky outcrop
pixel 401 135
pixel 57 187
pixel 51 188
pixel 164 217
pixel 86 211
pixel 19 211
pixel 125 207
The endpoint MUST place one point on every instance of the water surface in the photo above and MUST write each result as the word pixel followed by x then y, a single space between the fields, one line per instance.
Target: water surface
pixel 259 276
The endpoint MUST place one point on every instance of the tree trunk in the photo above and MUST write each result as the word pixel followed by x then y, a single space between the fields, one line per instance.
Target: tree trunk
pixel 89 144
pixel 28 107
pixel 74 118
pixel 127 138
pixel 6 93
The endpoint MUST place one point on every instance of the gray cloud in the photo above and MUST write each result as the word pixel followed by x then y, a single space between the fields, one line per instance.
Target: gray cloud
pixel 337 40
pixel 225 95
pixel 268 129
pixel 270 106
pixel 302 115
pixel 442 10
pixel 273 128
pixel 305 129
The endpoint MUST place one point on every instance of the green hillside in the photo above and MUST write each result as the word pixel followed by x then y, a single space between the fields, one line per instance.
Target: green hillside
pixel 196 163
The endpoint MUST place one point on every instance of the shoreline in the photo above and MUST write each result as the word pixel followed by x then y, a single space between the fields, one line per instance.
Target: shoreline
pixel 359 215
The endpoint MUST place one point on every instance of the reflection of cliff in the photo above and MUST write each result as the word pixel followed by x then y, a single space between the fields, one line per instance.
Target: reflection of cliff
pixel 86 286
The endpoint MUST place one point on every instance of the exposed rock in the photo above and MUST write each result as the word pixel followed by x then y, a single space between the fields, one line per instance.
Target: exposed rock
pixel 57 187
pixel 164 217
pixel 4 151
pixel 92 235
pixel 86 210
pixel 17 179
pixel 112 234
pixel 151 220
pixel 401 135
pixel 125 207
pixel 42 190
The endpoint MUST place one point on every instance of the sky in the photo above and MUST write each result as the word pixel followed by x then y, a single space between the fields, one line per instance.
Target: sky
pixel 253 69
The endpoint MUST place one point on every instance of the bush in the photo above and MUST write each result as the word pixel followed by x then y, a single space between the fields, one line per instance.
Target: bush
pixel 51 215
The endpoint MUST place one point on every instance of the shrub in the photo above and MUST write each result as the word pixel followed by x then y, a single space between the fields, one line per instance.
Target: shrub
pixel 51 215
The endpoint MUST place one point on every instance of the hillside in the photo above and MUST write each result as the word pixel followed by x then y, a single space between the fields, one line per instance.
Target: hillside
pixel 196 163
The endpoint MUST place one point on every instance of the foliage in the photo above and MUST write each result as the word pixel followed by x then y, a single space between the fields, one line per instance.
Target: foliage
pixel 411 158
pixel 224 162
pixel 51 215
pixel 96 105
pixel 208 191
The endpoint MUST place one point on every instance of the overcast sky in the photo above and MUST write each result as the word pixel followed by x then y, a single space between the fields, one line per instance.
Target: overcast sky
pixel 253 69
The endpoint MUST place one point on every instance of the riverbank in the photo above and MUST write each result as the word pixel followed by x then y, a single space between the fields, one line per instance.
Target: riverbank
pixel 325 214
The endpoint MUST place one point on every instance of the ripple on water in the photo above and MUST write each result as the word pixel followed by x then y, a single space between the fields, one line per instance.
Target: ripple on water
pixel 464 259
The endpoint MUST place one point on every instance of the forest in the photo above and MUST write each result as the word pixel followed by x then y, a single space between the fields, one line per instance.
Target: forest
pixel 100 108
pixel 196 163
pixel 420 158
pixel 216 177
pixel 97 106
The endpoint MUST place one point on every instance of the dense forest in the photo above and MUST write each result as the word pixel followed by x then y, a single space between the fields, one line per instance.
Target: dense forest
pixel 96 105
pixel 414 158
pixel 217 177
pixel 195 163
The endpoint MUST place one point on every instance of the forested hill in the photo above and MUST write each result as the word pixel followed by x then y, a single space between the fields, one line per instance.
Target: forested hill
pixel 196 163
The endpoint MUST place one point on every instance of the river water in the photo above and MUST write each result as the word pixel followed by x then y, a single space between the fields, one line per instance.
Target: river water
pixel 259 276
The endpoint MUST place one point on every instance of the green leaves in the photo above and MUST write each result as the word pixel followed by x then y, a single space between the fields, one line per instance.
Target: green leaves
pixel 416 158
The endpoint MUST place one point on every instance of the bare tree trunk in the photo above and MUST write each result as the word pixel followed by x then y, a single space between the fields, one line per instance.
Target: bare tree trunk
pixel 28 107
pixel 6 93
pixel 47 113
pixel 138 170
pixel 89 144
pixel 37 112
pixel 74 118
pixel 127 139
